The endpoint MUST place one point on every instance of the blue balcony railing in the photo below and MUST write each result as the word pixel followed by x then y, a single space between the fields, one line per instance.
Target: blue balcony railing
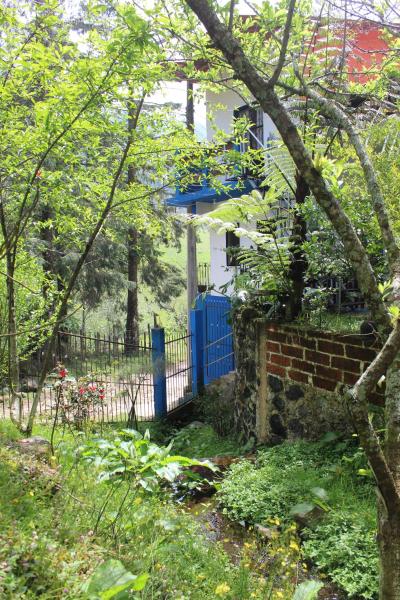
pixel 200 189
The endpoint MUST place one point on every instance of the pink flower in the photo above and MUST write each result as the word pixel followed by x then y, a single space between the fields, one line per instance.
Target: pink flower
pixel 92 387
pixel 81 391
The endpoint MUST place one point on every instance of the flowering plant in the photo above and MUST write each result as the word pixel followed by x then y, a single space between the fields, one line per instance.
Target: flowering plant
pixel 77 399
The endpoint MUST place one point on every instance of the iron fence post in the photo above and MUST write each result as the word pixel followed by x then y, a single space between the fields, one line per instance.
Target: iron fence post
pixel 159 374
pixel 196 329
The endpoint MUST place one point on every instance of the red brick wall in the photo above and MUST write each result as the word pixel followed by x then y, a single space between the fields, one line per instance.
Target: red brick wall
pixel 324 360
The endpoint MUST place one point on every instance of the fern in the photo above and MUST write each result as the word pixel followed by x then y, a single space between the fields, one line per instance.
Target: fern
pixel 265 265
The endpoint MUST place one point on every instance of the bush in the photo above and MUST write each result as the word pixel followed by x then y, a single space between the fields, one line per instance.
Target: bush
pixel 281 477
pixel 255 493
pixel 347 552
pixel 342 544
pixel 203 442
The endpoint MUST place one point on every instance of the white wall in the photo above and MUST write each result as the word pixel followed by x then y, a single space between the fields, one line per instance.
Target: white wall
pixel 223 117
pixel 270 131
pixel 220 274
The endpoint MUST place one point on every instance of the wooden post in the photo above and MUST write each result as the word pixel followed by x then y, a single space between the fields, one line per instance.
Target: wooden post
pixel 191 233
pixel 192 289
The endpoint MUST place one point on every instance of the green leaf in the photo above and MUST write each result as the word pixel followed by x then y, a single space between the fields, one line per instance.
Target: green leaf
pixel 302 509
pixel 365 472
pixel 320 493
pixel 394 313
pixel 308 590
pixel 111 579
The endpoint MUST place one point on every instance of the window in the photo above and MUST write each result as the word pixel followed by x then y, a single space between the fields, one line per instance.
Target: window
pixel 254 137
pixel 284 215
pixel 232 243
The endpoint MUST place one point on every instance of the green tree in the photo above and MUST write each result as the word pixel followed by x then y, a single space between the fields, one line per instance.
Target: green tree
pixel 65 147
pixel 267 65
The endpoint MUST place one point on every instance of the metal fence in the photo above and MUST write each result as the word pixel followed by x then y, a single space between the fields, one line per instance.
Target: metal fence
pixel 179 370
pixel 123 368
pixel 148 379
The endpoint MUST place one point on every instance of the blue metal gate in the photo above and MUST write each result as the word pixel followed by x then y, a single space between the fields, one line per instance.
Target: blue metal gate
pixel 217 337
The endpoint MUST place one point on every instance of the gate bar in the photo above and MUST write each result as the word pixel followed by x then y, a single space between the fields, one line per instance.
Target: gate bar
pixel 159 374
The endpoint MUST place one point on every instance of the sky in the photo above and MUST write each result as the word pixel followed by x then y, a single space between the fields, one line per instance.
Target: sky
pixel 171 91
pixel 176 92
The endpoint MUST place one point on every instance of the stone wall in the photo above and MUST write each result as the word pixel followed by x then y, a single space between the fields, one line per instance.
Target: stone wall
pixel 289 378
pixel 247 362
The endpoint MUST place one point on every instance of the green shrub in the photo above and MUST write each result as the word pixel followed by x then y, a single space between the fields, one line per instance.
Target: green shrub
pixel 342 543
pixel 256 493
pixel 281 477
pixel 346 551
pixel 53 540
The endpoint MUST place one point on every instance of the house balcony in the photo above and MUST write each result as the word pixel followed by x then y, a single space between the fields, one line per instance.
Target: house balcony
pixel 197 185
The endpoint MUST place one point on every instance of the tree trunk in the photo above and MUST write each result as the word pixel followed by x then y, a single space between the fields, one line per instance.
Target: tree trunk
pixel 298 262
pixel 13 358
pixel 389 554
pixel 12 339
pixel 132 303
pixel 385 464
pixel 191 265
pixel 272 106
pixel 72 282
pixel 389 524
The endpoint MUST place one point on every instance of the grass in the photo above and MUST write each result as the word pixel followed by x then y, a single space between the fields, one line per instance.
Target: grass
pixel 59 522
pixel 343 323
pixel 203 442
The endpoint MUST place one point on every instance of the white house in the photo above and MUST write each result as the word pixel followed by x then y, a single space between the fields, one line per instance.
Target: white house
pixel 364 48
pixel 202 198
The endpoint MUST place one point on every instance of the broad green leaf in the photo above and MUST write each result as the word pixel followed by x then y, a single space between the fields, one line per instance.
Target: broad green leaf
pixel 111 579
pixel 303 508
pixel 308 590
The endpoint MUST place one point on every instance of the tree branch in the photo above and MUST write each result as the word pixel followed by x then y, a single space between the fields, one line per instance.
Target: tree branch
pixel 368 380
pixel 270 103
pixel 285 40
pixel 358 406
pixel 231 14
pixel 373 450
pixel 333 111
pixel 78 267
pixel 23 216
